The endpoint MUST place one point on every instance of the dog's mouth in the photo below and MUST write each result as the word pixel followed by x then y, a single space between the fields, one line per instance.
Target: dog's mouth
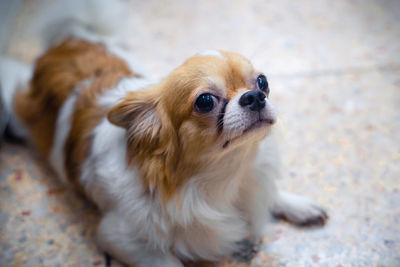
pixel 257 125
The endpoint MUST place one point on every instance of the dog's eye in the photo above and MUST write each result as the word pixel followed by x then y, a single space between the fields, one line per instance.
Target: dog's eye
pixel 204 103
pixel 262 83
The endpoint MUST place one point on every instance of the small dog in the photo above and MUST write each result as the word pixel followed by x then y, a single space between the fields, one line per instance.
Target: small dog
pixel 181 169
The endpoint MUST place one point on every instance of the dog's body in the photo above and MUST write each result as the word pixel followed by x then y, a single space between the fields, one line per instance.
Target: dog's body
pixel 181 169
pixel 161 197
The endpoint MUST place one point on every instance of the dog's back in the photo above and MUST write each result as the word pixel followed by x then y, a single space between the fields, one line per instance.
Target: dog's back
pixel 47 23
pixel 74 68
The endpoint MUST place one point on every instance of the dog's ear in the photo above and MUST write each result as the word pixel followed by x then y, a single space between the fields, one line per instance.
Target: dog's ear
pixel 151 139
pixel 138 114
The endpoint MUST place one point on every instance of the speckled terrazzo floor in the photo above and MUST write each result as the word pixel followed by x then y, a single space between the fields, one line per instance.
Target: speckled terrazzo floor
pixel 334 70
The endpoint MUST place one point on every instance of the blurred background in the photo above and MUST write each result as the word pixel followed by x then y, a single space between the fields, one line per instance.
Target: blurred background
pixel 334 73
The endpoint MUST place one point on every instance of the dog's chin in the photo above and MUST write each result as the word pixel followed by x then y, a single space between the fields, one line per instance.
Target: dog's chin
pixel 255 132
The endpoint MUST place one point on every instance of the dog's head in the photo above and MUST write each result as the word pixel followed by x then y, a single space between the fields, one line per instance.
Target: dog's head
pixel 213 104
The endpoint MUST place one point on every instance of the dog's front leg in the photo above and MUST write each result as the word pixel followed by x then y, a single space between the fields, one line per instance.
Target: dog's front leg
pixel 294 208
pixel 298 209
pixel 116 237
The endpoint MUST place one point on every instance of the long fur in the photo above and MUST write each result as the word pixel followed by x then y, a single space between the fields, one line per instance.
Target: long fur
pixel 50 22
pixel 172 183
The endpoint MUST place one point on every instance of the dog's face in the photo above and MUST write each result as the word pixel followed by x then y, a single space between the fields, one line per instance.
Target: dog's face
pixel 218 101
pixel 213 103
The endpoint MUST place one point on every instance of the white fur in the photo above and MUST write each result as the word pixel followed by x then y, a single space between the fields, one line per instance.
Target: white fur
pixel 180 229
pixel 8 15
pixel 132 217
pixel 237 118
pixel 53 21
pixel 206 219
pixel 213 211
pixel 114 46
pixel 14 75
pixel 50 22
pixel 129 215
pixel 296 208
pixel 63 126
pixel 217 208
pixel 214 53
pixel 208 216
pixel 112 97
pixel 97 21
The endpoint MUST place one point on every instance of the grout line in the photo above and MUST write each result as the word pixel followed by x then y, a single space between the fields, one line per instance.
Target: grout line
pixel 337 72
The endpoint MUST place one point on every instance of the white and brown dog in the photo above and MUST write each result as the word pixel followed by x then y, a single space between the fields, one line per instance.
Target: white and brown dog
pixel 181 169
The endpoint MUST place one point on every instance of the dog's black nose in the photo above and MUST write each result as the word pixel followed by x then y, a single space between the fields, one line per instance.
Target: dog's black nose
pixel 254 99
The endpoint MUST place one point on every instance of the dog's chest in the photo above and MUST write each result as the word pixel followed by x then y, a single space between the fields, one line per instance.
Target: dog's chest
pixel 210 237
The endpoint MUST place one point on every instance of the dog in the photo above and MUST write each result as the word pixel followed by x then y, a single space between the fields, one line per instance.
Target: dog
pixel 182 169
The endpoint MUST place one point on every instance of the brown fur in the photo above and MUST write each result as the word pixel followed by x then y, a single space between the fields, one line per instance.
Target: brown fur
pixel 166 138
pixel 56 75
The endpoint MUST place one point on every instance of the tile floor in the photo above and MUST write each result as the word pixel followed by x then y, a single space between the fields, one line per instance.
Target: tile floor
pixel 334 70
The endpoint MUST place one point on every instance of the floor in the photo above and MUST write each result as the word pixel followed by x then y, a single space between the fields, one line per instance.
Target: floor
pixel 334 73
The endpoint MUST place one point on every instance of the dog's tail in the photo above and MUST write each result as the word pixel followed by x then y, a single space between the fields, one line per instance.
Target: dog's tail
pixel 14 75
pixel 96 20
pixel 45 23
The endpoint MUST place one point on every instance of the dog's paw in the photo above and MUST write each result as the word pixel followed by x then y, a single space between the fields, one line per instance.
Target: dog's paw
pixel 247 250
pixel 298 210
